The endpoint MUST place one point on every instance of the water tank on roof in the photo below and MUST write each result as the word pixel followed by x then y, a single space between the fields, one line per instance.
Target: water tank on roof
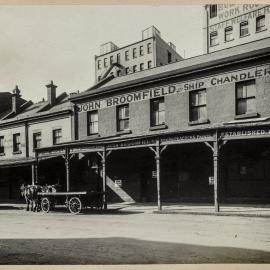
pixel 151 31
pixel 107 47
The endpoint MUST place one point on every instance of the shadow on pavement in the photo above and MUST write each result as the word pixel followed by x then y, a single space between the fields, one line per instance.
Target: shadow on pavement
pixel 11 207
pixel 115 250
pixel 89 211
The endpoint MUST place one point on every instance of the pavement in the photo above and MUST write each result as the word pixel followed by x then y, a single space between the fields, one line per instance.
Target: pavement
pixel 244 210
pixel 130 234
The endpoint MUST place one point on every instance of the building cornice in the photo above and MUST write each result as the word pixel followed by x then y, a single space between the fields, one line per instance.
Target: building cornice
pixel 177 73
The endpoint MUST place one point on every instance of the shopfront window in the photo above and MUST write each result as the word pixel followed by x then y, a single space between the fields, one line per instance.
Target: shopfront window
pixel 245 97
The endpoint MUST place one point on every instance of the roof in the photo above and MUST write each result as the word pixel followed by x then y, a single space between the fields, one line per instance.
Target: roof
pixel 183 67
pixel 39 109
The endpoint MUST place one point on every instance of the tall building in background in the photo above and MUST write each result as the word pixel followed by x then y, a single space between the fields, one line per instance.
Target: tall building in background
pixel 151 51
pixel 228 25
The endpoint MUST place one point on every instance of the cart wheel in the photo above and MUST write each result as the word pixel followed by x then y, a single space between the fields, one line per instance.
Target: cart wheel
pixel 75 205
pixel 45 205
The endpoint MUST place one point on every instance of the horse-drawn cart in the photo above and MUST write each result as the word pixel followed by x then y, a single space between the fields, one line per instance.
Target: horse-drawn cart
pixel 74 201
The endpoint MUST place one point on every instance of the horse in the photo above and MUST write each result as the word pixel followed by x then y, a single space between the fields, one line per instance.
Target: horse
pixel 29 193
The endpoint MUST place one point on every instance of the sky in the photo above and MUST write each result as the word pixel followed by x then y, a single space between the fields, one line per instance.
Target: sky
pixel 43 43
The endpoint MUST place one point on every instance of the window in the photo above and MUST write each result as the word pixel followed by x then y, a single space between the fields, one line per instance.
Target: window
pixel 243 29
pixel 2 147
pixel 260 23
pixel 169 57
pixel 141 50
pixel 99 64
pixel 198 105
pixel 149 47
pixel 16 143
pixel 105 62
pixel 118 73
pixel 92 122
pixel 213 38
pixel 126 56
pixel 245 97
pixel 99 78
pixel 149 64
pixel 134 52
pixel 157 112
pixel 228 33
pixel 118 58
pixel 57 136
pixel 37 140
pixel 142 66
pixel 213 11
pixel 111 59
pixel 135 68
pixel 122 117
pixel 127 70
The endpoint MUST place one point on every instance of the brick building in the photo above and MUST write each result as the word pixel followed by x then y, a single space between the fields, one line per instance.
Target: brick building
pixel 152 51
pixel 195 130
pixel 228 25
pixel 25 126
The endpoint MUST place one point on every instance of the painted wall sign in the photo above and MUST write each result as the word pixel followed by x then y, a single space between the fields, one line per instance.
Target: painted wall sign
pixel 236 14
pixel 245 133
pixel 184 138
pixel 141 142
pixel 225 78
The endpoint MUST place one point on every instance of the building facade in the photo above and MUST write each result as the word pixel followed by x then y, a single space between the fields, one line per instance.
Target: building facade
pixel 228 25
pixel 24 127
pixel 196 130
pixel 151 51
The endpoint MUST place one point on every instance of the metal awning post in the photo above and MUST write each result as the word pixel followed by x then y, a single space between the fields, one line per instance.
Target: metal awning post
pixel 158 151
pixel 104 154
pixel 35 172
pixel 215 151
pixel 67 164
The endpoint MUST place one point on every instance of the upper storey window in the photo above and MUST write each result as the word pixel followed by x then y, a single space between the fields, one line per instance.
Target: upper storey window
pixel 243 28
pixel 260 23
pixel 245 97
pixel 228 33
pixel 213 38
pixel 198 105
pixel 213 11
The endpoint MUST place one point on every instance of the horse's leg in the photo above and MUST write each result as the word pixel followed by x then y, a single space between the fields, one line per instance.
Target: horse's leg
pixel 27 205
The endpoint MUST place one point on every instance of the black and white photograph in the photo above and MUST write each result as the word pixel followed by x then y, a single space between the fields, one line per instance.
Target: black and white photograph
pixel 134 134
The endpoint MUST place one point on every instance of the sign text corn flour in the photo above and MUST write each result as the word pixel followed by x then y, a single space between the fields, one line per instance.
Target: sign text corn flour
pixel 252 73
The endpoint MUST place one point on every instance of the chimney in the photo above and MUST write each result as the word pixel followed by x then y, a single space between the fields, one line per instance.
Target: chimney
pixel 51 93
pixel 15 99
